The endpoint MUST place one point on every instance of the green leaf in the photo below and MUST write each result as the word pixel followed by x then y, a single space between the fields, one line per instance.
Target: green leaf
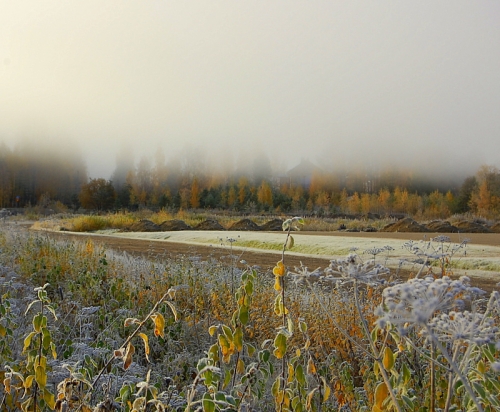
pixel 280 346
pixel 238 339
pixel 244 315
pixel 40 376
pixel 303 326
pixel 406 374
pixel 27 341
pixel 37 322
pixel 249 288
pixel 479 389
pixel 228 332
pixel 46 340
pixel 264 355
pixel 227 378
pixel 250 348
pixel 299 373
pixel 208 403
pixel 408 402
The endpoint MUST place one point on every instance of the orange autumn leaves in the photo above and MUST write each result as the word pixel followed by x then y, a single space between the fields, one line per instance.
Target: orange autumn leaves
pixel 278 272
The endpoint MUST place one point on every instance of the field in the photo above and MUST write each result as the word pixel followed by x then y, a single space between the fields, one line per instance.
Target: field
pixel 480 259
pixel 185 321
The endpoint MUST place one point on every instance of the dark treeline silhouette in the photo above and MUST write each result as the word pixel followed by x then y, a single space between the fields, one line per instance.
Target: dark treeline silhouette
pixel 28 174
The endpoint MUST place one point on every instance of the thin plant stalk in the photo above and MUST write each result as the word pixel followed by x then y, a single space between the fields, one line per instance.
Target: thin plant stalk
pixel 455 369
pixel 374 349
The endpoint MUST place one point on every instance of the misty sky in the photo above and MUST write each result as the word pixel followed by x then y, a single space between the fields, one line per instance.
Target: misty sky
pixel 339 82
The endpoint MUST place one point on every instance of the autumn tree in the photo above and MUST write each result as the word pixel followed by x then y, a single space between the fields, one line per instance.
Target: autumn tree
pixel 265 194
pixel 98 194
pixel 485 200
pixel 384 200
pixel 194 200
pixel 231 197
pixel 242 190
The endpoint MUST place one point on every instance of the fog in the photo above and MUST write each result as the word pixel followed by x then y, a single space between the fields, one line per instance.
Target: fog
pixel 341 83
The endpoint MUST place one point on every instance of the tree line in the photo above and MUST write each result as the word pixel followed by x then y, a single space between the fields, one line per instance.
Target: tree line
pixel 322 195
pixel 29 177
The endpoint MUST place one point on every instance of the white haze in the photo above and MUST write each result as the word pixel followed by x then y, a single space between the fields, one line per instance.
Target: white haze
pixel 339 82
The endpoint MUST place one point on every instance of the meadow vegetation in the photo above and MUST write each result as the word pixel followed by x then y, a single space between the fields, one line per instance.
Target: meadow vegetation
pixel 88 329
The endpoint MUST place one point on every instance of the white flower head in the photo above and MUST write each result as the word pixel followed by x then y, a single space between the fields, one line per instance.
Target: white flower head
pixel 349 269
pixel 464 326
pixel 417 300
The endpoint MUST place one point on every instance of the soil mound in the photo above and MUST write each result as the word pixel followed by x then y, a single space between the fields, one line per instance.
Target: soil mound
pixel 441 226
pixel 275 225
pixel 465 226
pixel 209 224
pixel 495 228
pixel 174 225
pixel 144 226
pixel 404 225
pixel 244 224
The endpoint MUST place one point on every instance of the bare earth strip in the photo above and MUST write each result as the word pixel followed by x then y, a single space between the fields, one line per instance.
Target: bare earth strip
pixel 480 259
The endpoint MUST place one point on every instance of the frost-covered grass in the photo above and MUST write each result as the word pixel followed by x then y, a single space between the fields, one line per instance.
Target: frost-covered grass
pixel 92 328
pixel 472 260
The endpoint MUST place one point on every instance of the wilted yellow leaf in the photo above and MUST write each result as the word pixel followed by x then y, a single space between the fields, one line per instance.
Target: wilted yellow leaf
pixel 49 399
pixel 327 390
pixel 388 360
pixel 277 283
pixel 146 344
pixel 127 357
pixel 381 393
pixel 240 367
pixel 279 269
pixel 159 322
pixel 311 367
pixel 130 321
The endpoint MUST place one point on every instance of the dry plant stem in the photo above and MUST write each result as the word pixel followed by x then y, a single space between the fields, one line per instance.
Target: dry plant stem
pixel 451 382
pixel 455 369
pixel 132 336
pixel 282 279
pixel 422 267
pixel 40 343
pixel 374 349
pixel 432 381
pixel 416 349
